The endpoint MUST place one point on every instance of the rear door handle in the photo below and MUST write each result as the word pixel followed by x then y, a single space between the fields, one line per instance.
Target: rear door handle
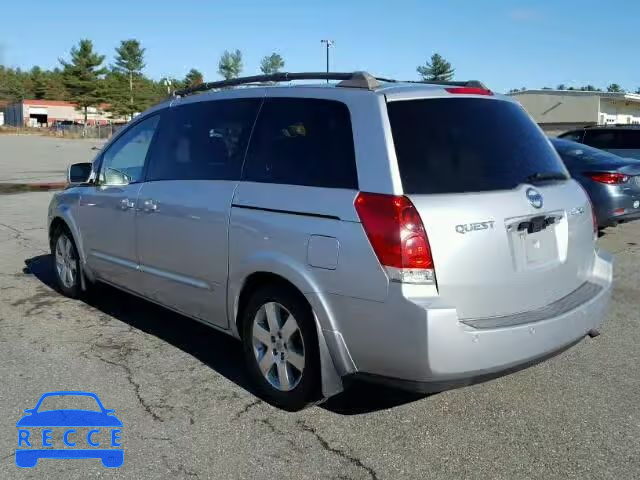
pixel 126 204
pixel 149 206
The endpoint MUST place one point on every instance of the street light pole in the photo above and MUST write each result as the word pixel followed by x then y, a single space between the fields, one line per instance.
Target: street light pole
pixel 329 43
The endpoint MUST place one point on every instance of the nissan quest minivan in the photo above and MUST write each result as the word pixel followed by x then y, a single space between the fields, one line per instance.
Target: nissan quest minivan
pixel 423 235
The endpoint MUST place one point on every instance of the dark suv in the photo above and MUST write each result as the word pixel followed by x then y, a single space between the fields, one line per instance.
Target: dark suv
pixel 623 140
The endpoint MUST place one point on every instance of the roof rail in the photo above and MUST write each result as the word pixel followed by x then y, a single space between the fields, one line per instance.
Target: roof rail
pixel 347 79
pixel 351 79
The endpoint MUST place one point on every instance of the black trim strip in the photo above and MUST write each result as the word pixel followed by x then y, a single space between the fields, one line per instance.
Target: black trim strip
pixel 288 212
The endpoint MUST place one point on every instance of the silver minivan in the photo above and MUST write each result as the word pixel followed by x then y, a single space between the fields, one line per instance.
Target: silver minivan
pixel 422 235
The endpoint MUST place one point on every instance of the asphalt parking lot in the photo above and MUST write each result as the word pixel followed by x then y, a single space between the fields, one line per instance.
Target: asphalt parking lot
pixel 180 390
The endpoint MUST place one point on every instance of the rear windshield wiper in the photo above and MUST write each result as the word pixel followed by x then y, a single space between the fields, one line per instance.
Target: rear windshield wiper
pixel 545 176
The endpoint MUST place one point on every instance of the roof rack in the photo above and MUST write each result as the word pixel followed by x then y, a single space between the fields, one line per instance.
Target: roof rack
pixel 351 79
pixel 347 79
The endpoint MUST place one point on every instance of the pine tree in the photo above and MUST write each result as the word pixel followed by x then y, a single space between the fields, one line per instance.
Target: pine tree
pixel 83 76
pixel 271 64
pixel 230 64
pixel 436 70
pixel 39 82
pixel 193 78
pixel 129 61
pixel 614 87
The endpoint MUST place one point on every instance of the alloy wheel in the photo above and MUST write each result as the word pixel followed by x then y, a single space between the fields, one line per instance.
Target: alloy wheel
pixel 278 346
pixel 66 265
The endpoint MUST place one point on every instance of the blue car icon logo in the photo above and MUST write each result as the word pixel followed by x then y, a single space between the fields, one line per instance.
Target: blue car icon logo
pixel 69 433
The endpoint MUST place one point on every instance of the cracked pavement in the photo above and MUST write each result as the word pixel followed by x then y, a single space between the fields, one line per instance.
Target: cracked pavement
pixel 180 390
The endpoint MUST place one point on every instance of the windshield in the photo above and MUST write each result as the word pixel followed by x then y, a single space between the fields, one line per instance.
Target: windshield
pixel 450 145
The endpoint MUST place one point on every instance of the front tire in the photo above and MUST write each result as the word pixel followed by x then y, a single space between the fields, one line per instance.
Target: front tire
pixel 66 265
pixel 281 347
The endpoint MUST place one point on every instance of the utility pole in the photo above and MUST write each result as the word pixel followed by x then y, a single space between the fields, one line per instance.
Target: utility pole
pixel 329 43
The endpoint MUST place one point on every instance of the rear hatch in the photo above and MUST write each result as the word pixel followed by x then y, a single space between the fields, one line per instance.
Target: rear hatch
pixel 509 230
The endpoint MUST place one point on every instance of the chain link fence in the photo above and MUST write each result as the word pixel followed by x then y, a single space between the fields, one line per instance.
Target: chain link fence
pixel 102 132
pixel 81 131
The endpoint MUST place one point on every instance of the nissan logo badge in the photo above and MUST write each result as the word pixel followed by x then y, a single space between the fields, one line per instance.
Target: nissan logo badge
pixel 534 197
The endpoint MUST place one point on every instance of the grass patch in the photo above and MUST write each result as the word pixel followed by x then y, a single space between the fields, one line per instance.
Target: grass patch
pixel 8 188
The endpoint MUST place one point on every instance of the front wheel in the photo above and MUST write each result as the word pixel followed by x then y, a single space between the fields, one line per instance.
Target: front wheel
pixel 66 263
pixel 281 347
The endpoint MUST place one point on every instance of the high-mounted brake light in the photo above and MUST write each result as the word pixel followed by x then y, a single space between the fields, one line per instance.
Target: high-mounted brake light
pixel 396 233
pixel 608 177
pixel 469 91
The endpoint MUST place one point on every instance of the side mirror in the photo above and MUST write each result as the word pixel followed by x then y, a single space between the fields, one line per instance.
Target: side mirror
pixel 79 173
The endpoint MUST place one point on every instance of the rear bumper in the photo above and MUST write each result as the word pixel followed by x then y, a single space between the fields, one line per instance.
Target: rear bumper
pixel 606 204
pixel 626 217
pixel 426 348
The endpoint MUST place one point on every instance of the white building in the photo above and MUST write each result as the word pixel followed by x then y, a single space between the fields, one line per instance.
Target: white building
pixel 43 113
pixel 559 110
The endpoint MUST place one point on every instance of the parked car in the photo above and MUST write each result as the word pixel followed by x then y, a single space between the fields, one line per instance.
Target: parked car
pixel 612 182
pixel 622 140
pixel 421 235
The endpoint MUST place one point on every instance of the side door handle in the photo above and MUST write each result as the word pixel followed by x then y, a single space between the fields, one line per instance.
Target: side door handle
pixel 126 204
pixel 149 206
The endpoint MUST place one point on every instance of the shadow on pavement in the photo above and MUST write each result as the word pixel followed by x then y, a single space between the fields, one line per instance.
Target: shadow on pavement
pixel 215 349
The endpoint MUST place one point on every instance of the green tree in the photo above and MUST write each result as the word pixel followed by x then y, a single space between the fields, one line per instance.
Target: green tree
pixel 561 86
pixel 168 85
pixel 129 61
pixel 39 82
pixel 271 64
pixel 193 78
pixel 438 69
pixel 83 75
pixel 230 64
pixel 55 88
pixel 614 87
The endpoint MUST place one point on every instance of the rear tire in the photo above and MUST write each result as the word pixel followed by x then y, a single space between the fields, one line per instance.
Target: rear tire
pixel 66 263
pixel 280 345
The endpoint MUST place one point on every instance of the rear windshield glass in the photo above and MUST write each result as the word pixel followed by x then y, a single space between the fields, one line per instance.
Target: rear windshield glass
pixel 613 139
pixel 450 145
pixel 583 153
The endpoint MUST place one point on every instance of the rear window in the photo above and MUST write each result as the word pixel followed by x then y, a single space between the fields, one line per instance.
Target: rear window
pixel 613 139
pixel 451 145
pixel 583 153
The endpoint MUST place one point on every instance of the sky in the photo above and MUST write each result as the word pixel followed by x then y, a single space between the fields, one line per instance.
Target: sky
pixel 505 44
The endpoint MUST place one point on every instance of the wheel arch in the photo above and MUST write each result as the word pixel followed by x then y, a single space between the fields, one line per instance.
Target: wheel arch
pixel 330 380
pixel 67 222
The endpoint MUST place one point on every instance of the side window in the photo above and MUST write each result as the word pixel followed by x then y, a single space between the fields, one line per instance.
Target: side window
pixel 123 161
pixel 301 141
pixel 203 140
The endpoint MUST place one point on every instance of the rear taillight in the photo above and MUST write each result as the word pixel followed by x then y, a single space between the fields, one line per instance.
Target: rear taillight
pixel 608 177
pixel 469 91
pixel 396 233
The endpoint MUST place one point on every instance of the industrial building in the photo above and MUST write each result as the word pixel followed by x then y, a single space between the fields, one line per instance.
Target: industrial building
pixel 45 113
pixel 557 111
